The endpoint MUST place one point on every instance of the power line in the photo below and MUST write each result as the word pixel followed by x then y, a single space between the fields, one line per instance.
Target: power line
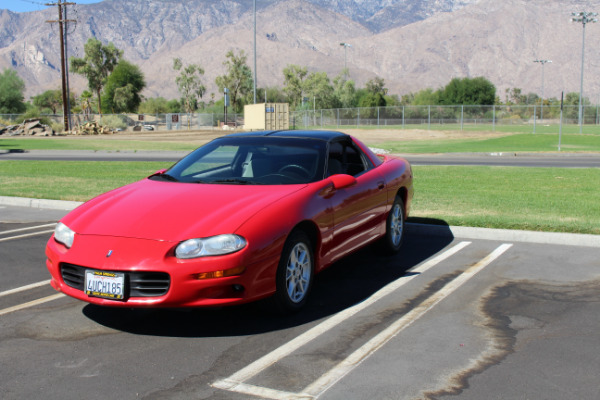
pixel 33 2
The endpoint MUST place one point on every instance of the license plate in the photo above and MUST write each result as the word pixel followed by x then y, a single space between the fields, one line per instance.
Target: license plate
pixel 108 285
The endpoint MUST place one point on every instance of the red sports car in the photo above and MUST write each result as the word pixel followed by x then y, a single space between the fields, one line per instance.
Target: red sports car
pixel 243 217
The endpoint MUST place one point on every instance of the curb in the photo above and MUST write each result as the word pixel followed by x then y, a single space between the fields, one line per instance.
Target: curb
pixel 506 235
pixel 39 203
pixel 462 232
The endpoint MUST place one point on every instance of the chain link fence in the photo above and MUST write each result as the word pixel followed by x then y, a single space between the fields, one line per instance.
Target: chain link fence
pixel 144 122
pixel 480 118
pixel 463 118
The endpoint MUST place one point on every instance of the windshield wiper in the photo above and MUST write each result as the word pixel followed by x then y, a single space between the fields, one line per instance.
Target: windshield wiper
pixel 164 176
pixel 235 181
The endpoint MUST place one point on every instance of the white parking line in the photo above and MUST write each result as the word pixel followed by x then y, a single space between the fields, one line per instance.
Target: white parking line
pixel 25 235
pixel 24 288
pixel 30 228
pixel 355 359
pixel 31 303
pixel 236 381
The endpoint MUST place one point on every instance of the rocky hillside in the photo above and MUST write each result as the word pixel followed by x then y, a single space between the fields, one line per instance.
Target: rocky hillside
pixel 412 44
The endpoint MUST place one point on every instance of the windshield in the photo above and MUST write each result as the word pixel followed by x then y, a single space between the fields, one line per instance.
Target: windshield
pixel 252 160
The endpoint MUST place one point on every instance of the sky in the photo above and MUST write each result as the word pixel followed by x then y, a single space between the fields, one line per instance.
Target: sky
pixel 35 5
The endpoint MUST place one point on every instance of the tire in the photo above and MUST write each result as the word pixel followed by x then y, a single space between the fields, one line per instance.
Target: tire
pixel 294 273
pixel 394 228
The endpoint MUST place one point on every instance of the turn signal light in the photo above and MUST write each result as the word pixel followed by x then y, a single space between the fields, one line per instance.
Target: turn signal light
pixel 221 274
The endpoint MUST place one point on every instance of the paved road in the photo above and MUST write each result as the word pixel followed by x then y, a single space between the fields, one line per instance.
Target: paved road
pixel 565 160
pixel 473 312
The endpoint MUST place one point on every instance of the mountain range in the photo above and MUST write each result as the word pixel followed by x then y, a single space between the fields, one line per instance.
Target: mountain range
pixel 411 44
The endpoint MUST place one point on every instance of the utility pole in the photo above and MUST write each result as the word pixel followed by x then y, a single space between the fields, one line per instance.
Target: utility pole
pixel 63 62
pixel 254 83
pixel 584 17
pixel 543 62
pixel 346 45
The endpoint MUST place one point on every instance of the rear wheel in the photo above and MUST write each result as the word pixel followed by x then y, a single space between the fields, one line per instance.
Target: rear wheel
pixel 394 227
pixel 294 273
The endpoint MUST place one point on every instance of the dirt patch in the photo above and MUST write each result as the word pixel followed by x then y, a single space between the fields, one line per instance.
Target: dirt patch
pixel 369 136
pixel 390 135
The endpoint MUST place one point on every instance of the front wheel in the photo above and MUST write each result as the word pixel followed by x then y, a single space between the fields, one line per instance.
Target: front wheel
pixel 394 228
pixel 294 273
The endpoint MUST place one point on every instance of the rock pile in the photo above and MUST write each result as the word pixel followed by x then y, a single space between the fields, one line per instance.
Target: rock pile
pixel 29 127
pixel 92 128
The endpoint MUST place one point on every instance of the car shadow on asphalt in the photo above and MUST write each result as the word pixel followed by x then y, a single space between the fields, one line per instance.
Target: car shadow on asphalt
pixel 342 285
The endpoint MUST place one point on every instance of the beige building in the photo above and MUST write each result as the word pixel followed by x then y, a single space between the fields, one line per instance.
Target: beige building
pixel 267 116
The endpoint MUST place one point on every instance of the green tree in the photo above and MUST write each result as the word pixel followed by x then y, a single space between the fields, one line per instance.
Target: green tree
pixel 123 88
pixel 96 65
pixel 375 94
pixel 86 101
pixel 293 77
pixel 344 90
pixel 159 105
pixel 271 94
pixel 238 78
pixel 156 105
pixel 174 106
pixel 571 100
pixel 468 91
pixel 514 96
pixel 426 97
pixel 372 100
pixel 12 90
pixel 317 87
pixel 376 85
pixel 50 99
pixel 189 84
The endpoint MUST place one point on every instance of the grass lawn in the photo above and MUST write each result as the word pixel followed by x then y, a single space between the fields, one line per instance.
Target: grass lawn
pixel 519 142
pixel 511 143
pixel 540 199
pixel 87 143
pixel 70 180
pixel 543 199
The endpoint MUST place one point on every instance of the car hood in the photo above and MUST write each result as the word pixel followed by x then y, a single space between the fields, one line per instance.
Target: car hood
pixel 170 211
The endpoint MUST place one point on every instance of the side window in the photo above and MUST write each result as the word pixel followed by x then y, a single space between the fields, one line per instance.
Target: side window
pixel 355 163
pixel 345 158
pixel 335 159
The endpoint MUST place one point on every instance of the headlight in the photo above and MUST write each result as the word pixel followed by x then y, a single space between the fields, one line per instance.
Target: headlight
pixel 64 234
pixel 212 246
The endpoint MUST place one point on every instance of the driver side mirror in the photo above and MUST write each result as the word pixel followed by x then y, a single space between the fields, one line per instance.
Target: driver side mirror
pixel 342 181
pixel 337 182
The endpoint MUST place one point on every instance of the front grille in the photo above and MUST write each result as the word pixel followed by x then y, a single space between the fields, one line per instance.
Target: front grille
pixel 73 275
pixel 137 284
pixel 148 284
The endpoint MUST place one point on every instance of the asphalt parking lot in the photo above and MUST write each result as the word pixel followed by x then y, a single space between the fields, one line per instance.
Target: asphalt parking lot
pixel 467 313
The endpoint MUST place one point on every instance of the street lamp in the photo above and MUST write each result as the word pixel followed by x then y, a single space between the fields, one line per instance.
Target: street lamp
pixel 346 45
pixel 584 17
pixel 543 62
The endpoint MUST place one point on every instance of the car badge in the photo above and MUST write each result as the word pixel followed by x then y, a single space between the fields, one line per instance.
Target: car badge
pixel 109 253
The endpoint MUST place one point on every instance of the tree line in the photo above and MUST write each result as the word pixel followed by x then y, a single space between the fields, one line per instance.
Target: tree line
pixel 115 86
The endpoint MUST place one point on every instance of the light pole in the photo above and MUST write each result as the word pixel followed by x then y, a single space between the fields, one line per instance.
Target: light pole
pixel 254 82
pixel 543 62
pixel 346 45
pixel 584 17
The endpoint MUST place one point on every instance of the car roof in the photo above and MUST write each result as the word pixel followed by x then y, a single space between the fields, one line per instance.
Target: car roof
pixel 321 135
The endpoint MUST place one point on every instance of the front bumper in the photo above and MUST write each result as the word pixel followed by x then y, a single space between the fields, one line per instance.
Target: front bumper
pixel 154 277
